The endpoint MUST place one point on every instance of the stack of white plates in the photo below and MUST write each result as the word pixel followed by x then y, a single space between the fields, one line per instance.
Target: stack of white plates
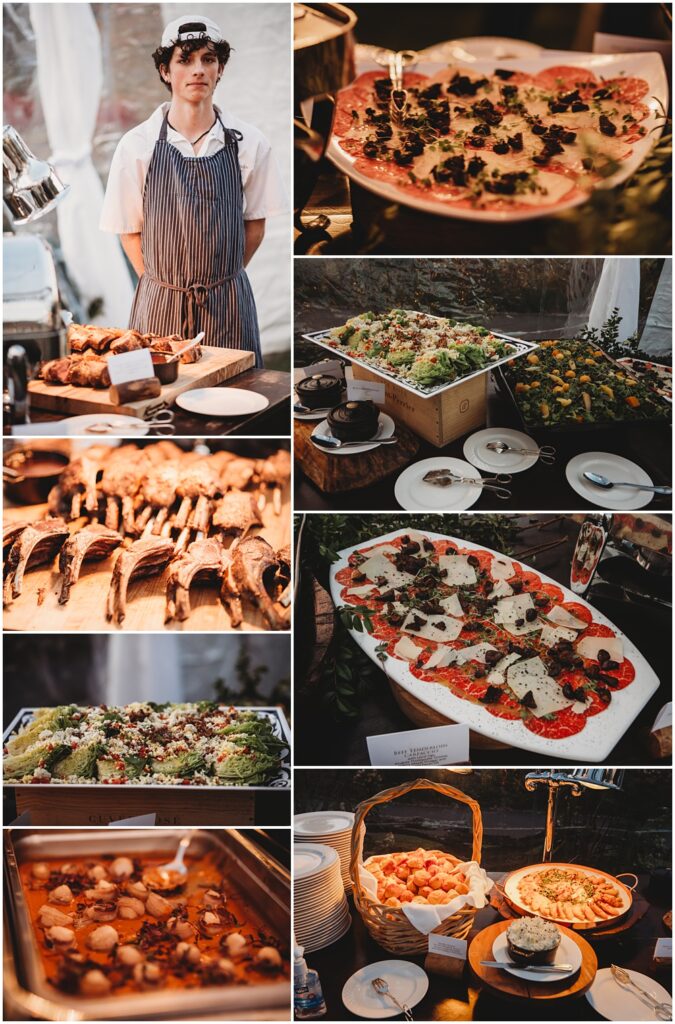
pixel 331 828
pixel 321 911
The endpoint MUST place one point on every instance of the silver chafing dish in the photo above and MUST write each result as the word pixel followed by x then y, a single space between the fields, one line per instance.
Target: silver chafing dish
pixel 624 556
pixel 31 306
pixel 28 994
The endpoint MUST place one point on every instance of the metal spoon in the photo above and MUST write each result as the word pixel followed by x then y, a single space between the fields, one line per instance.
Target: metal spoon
pixel 603 481
pixel 324 441
pixel 546 454
pixel 664 1009
pixel 382 989
pixel 298 407
pixel 445 478
pixel 164 876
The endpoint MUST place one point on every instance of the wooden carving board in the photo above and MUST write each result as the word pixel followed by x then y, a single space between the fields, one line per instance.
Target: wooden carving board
pixel 335 473
pixel 37 608
pixel 215 366
pixel 82 805
pixel 504 984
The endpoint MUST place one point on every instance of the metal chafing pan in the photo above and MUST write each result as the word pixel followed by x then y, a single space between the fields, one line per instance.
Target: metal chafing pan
pixel 519 347
pixel 265 883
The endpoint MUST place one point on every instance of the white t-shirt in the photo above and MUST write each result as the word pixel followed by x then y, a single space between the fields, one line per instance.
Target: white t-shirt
pixel 264 193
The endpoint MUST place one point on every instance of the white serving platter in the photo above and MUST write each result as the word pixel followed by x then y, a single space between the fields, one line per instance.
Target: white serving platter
pixel 648 65
pixel 520 348
pixel 282 779
pixel 596 740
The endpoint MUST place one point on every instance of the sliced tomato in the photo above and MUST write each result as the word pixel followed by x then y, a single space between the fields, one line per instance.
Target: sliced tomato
pixel 629 90
pixel 563 78
pixel 565 723
pixel 580 611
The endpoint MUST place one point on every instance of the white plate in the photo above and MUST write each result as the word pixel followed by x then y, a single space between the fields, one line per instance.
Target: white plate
pixel 313 414
pixel 568 952
pixel 647 65
pixel 614 467
pixel 314 947
pixel 414 495
pixel 408 982
pixel 223 402
pixel 601 732
pixel 122 426
pixel 312 859
pixel 324 822
pixel 478 454
pixel 619 1002
pixel 385 428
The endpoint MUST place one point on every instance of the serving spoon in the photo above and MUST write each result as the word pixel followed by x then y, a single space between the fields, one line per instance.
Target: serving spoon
pixel 546 454
pixel 602 481
pixel 170 875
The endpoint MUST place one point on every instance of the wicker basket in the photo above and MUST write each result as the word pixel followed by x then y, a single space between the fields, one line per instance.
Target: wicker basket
pixel 388 925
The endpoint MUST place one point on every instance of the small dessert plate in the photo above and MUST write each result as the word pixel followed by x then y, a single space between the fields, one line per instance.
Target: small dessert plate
pixel 224 402
pixel 408 982
pixel 386 428
pixel 567 953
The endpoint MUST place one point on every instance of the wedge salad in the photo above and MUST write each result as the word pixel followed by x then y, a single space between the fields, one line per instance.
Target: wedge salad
pixel 204 743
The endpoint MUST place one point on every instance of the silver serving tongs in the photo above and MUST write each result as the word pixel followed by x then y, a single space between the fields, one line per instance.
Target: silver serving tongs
pixel 445 478
pixel 397 61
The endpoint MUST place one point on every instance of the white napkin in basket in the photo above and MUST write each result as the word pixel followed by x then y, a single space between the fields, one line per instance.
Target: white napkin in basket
pixel 427 917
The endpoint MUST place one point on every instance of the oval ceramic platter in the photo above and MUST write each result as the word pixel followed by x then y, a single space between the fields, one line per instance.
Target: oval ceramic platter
pixel 631 88
pixel 486 641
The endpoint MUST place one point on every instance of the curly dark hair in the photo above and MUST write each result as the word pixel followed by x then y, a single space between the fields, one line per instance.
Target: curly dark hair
pixel 162 55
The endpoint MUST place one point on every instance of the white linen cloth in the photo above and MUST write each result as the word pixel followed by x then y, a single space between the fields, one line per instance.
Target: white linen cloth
pixel 426 918
pixel 264 193
pixel 618 287
pixel 657 337
pixel 69 71
pixel 142 667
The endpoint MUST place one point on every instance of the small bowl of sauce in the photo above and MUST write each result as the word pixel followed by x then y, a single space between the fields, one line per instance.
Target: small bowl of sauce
pixel 166 372
pixel 30 473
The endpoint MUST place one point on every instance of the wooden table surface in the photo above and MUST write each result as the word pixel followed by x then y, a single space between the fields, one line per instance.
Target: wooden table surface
pixel 270 422
pixel 542 487
pixel 464 1000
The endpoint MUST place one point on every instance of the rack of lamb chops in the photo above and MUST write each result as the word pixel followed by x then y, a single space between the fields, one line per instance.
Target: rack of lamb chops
pixel 161 506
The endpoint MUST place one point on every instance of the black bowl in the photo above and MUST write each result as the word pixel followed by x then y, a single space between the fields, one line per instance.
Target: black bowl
pixel 523 957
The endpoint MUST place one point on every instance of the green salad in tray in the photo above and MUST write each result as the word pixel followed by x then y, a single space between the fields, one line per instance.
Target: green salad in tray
pixel 201 744
pixel 425 351
pixel 565 383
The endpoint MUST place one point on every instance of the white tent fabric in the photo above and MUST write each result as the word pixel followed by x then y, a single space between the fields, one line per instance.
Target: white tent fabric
pixel 69 79
pixel 256 86
pixel 657 337
pixel 618 287
pixel 141 668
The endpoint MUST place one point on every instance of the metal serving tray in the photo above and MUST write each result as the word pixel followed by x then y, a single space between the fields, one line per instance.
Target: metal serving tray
pixel 520 348
pixel 282 780
pixel 264 881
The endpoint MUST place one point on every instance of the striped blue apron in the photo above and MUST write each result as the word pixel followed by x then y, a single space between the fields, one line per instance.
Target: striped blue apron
pixel 193 249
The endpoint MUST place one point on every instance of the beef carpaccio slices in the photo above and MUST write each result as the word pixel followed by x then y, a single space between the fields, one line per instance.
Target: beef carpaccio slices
pixel 506 141
pixel 489 630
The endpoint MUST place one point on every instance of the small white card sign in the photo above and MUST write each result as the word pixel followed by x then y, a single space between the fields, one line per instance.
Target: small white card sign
pixel 365 391
pixel 445 945
pixel 330 366
pixel 663 949
pixel 664 717
pixel 136 365
pixel 440 745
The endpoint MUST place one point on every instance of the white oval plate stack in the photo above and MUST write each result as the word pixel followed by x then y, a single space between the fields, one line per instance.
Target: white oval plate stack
pixel 320 906
pixel 330 828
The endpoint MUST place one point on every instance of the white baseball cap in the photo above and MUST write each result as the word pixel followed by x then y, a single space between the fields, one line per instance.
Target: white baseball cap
pixel 191 26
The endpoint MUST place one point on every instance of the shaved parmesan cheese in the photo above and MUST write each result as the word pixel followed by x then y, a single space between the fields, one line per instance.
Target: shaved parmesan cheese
pixel 444 656
pixel 379 565
pixel 497 677
pixel 416 537
pixel 550 635
pixel 367 588
pixel 449 631
pixel 530 676
pixel 527 627
pixel 452 606
pixel 460 573
pixel 385 549
pixel 501 568
pixel 441 658
pixel 509 609
pixel 561 617
pixel 590 645
pixel 407 650
pixel 501 589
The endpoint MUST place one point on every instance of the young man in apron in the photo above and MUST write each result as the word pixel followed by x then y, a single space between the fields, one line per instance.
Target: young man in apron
pixel 189 191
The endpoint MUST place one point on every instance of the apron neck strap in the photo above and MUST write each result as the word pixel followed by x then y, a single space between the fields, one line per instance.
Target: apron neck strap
pixel 165 125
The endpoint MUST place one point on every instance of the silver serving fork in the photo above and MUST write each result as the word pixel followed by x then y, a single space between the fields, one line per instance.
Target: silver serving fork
pixel 382 989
